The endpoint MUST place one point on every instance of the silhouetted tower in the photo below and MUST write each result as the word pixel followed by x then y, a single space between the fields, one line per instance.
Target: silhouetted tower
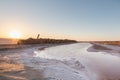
pixel 38 36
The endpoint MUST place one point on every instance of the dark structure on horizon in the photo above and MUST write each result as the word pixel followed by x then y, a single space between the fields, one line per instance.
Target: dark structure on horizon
pixel 45 41
pixel 38 36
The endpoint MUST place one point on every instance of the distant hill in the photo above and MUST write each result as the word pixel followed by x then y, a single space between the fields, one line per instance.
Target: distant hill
pixel 45 41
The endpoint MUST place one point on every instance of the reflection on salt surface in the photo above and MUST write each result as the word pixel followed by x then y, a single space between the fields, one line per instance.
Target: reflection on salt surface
pixel 100 65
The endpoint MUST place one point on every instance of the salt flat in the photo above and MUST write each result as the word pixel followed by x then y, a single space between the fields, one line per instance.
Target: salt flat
pixel 69 62
pixel 97 65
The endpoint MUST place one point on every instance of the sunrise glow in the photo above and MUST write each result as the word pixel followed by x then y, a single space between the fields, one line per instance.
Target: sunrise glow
pixel 15 34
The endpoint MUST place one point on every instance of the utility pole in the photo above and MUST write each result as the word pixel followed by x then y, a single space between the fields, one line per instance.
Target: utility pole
pixel 38 36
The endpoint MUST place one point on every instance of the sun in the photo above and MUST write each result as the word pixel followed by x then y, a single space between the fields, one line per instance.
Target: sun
pixel 15 34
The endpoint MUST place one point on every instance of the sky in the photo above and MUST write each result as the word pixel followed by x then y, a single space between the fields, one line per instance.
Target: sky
pixel 81 20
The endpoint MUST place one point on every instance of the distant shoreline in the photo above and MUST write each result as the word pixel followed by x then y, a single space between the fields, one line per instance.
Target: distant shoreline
pixel 8 41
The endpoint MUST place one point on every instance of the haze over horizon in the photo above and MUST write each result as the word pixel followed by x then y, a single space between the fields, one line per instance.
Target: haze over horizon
pixel 82 20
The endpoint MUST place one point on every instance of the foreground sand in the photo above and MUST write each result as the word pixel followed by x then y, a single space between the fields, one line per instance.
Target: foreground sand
pixel 14 71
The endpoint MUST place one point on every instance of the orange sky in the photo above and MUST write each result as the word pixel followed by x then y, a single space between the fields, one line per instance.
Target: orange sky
pixel 64 19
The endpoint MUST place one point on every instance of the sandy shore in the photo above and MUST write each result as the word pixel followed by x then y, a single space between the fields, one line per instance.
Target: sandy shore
pixel 10 71
pixel 111 49
pixel 11 67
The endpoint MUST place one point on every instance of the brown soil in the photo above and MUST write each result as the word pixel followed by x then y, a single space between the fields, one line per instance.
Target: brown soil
pixel 98 47
pixel 14 71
